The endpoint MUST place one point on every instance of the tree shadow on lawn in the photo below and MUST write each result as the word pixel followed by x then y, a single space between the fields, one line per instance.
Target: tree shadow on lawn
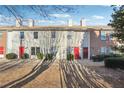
pixel 4 63
pixel 37 70
pixel 77 76
pixel 8 65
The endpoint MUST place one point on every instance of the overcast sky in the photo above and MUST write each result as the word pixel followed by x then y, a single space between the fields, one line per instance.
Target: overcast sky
pixel 93 15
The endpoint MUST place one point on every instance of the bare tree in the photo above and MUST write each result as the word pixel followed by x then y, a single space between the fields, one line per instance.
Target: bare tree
pixel 18 11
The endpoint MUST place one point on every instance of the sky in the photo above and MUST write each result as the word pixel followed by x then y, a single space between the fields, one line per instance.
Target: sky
pixel 91 14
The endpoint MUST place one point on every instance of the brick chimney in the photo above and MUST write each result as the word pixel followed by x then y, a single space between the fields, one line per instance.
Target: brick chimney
pixel 70 22
pixel 18 22
pixel 31 22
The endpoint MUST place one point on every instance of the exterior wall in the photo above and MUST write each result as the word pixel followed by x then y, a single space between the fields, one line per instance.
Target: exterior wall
pixel 80 40
pixel 44 41
pixel 61 42
pixel 85 43
pixel 28 42
pixel 96 43
pixel 13 42
pixel 3 36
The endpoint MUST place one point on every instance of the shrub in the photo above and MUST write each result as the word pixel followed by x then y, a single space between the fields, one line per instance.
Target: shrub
pixel 25 56
pixel 103 56
pixel 49 56
pixel 114 62
pixel 70 57
pixel 40 55
pixel 11 56
pixel 115 55
pixel 98 58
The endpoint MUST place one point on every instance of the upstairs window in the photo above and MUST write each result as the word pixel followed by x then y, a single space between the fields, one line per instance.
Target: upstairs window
pixel 53 34
pixel 35 35
pixel 21 35
pixel 103 35
pixel 111 37
pixel 69 36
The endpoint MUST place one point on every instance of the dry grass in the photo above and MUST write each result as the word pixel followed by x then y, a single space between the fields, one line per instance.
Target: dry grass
pixel 64 74
pixel 50 78
pixel 16 72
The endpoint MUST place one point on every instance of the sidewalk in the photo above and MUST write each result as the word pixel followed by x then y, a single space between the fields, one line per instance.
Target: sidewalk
pixel 87 62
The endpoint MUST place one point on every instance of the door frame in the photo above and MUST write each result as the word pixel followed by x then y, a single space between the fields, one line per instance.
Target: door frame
pixel 85 52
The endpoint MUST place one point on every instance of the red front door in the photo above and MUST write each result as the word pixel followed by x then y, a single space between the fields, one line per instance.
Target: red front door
pixel 76 53
pixel 1 50
pixel 85 52
pixel 21 51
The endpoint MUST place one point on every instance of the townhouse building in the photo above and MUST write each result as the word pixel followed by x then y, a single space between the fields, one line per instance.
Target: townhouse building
pixel 82 44
pixel 3 38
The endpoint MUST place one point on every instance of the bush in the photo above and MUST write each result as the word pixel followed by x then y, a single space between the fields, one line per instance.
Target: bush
pixel 11 56
pixel 103 56
pixel 114 62
pixel 98 58
pixel 70 57
pixel 116 55
pixel 49 56
pixel 40 55
pixel 25 56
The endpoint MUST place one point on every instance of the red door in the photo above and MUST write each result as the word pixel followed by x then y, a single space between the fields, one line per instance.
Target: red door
pixel 85 52
pixel 21 51
pixel 1 50
pixel 76 52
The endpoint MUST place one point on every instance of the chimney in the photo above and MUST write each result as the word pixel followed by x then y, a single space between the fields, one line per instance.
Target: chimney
pixel 18 22
pixel 31 22
pixel 82 22
pixel 70 22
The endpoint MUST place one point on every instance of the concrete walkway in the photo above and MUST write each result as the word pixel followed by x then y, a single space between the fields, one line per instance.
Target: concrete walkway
pixel 87 62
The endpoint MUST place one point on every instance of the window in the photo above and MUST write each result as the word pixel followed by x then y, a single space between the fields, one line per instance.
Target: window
pixel 103 50
pixel 103 35
pixel 53 34
pixel 69 50
pixel 53 49
pixel 37 50
pixel 35 35
pixel 21 35
pixel 33 51
pixel 110 36
pixel 110 50
pixel 69 36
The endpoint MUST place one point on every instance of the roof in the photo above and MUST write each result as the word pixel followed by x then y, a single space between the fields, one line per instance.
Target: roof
pixel 56 28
